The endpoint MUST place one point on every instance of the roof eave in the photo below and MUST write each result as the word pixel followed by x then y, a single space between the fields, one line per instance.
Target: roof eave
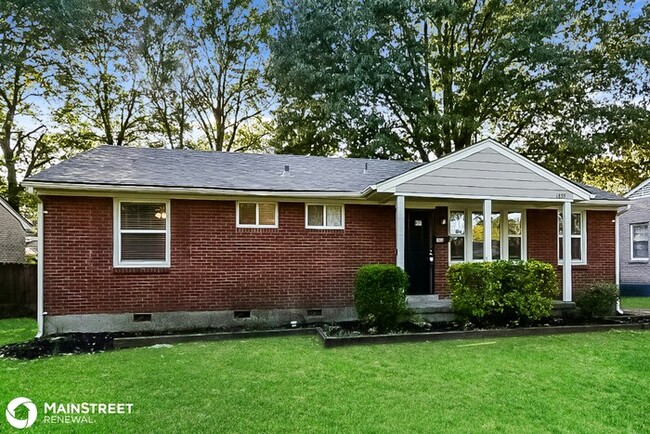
pixel 41 186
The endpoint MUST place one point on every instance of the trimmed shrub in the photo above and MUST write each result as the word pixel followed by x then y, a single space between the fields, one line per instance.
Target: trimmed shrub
pixel 380 295
pixel 502 291
pixel 597 300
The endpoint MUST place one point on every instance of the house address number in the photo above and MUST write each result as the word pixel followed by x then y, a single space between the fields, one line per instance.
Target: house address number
pixel 561 196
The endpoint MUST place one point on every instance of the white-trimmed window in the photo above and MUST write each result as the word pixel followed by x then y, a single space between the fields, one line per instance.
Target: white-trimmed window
pixel 319 216
pixel 515 236
pixel 257 215
pixel 141 233
pixel 467 232
pixel 578 237
pixel 457 236
pixel 639 242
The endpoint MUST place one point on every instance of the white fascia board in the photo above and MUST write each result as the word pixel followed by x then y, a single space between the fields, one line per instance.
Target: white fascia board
pixel 390 184
pixel 637 188
pixel 80 189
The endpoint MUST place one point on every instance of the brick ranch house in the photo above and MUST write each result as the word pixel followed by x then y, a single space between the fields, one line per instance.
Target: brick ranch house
pixel 154 239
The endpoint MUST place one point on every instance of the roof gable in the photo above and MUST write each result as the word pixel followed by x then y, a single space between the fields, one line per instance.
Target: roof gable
pixel 27 226
pixel 486 169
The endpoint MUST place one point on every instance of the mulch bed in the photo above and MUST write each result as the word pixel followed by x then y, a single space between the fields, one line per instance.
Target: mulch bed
pixel 347 333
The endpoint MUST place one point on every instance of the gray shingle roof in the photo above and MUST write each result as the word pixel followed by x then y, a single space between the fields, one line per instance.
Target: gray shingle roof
pixel 600 194
pixel 122 166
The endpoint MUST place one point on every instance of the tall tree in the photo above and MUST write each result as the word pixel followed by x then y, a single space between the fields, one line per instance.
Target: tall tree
pixel 164 50
pixel 422 78
pixel 104 79
pixel 227 59
pixel 33 34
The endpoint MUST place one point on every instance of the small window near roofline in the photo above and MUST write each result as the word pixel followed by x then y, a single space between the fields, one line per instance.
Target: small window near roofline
pixel 257 215
pixel 321 216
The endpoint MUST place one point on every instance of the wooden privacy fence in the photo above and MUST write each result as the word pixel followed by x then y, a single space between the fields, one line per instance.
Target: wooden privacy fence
pixel 18 290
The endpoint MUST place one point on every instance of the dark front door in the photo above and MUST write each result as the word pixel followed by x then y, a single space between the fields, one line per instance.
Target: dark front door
pixel 417 261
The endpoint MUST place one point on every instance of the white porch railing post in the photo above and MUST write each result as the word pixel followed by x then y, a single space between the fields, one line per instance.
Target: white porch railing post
pixel 400 218
pixel 487 229
pixel 566 249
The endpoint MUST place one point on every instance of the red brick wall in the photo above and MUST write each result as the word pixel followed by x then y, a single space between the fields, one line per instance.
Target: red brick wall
pixel 441 254
pixel 215 266
pixel 601 245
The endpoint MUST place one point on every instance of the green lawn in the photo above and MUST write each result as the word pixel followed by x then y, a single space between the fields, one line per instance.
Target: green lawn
pixel 16 330
pixel 635 302
pixel 597 382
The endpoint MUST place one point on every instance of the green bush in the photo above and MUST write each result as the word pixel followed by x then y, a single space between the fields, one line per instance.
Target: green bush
pixel 380 295
pixel 597 300
pixel 502 291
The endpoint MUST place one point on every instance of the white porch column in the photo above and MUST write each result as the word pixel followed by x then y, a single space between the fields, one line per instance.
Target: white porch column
pixel 400 218
pixel 566 249
pixel 487 229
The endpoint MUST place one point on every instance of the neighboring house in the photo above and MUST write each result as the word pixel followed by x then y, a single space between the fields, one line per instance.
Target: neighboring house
pixel 14 231
pixel 154 239
pixel 633 235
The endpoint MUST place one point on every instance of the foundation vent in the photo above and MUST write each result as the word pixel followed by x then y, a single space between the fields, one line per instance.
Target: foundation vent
pixel 314 312
pixel 240 314
pixel 141 317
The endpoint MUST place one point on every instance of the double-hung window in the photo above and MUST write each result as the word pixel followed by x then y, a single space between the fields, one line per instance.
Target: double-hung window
pixel 324 216
pixel 578 237
pixel 639 242
pixel 467 235
pixel 257 215
pixel 142 233
pixel 457 236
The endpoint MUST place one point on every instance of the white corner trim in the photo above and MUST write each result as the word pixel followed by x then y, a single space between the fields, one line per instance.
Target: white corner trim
pixel 117 238
pixel 390 184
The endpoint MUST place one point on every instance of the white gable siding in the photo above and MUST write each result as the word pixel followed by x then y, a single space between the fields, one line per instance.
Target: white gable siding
pixel 486 173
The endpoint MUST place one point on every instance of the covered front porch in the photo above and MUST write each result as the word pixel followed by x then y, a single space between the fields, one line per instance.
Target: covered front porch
pixel 484 203
pixel 432 234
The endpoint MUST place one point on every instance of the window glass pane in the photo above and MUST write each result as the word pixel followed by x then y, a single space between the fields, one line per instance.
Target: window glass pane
pixel 514 223
pixel 143 247
pixel 456 223
pixel 576 247
pixel 496 235
pixel 247 213
pixel 457 248
pixel 514 248
pixel 576 224
pixel 640 232
pixel 334 215
pixel 267 214
pixel 143 216
pixel 640 241
pixel 477 235
pixel 560 222
pixel 640 249
pixel 315 215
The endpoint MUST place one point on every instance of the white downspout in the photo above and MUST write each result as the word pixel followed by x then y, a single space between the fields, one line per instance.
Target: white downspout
pixel 41 248
pixel 617 253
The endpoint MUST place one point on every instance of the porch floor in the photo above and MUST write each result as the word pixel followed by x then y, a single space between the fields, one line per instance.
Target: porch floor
pixel 432 304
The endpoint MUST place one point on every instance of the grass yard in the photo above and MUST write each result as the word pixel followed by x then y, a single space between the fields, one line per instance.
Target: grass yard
pixel 635 302
pixel 597 382
pixel 17 330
